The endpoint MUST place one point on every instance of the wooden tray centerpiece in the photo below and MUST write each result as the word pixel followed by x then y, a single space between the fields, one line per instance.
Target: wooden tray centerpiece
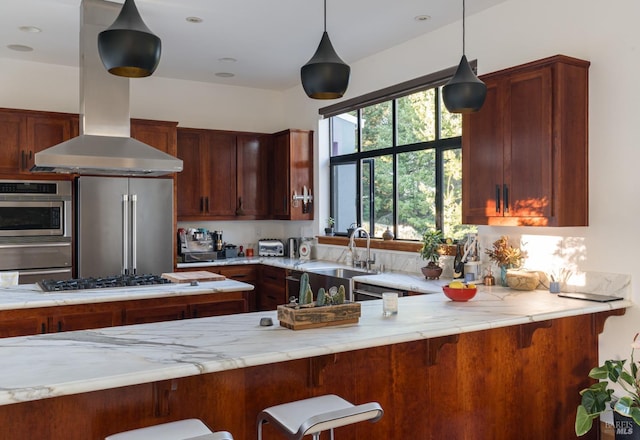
pixel 330 308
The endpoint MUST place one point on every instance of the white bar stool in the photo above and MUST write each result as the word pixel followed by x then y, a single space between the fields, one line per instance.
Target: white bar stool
pixel 189 429
pixel 317 414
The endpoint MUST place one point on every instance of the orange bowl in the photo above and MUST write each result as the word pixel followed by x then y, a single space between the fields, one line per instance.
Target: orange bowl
pixel 464 294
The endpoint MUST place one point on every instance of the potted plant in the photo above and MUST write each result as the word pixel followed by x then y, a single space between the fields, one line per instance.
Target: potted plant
pixel 505 256
pixel 599 398
pixel 329 230
pixel 430 251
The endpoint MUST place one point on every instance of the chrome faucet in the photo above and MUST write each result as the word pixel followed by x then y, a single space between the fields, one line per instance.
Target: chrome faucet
pixel 357 262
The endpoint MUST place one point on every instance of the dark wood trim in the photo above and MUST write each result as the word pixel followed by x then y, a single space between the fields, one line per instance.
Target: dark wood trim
pixel 389 245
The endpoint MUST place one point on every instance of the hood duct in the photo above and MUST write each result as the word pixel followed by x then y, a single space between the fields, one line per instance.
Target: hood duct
pixel 105 146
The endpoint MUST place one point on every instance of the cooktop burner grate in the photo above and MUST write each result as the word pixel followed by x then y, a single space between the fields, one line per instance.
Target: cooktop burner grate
pixel 102 282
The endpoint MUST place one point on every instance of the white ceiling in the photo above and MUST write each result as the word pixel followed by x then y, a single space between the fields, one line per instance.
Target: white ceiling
pixel 270 39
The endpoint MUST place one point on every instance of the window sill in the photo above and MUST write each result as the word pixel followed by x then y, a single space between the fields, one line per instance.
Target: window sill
pixel 376 243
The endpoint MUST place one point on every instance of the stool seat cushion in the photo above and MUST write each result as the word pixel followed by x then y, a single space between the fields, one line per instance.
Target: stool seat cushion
pixel 180 430
pixel 317 414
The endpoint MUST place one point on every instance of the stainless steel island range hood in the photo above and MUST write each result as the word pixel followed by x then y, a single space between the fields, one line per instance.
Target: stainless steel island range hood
pixel 105 146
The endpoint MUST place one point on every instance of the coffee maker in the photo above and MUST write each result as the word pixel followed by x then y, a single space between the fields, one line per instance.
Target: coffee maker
pixel 200 245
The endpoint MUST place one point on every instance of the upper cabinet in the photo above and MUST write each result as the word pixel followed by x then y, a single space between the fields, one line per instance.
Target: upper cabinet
pixel 159 134
pixel 238 175
pixel 525 153
pixel 24 133
pixel 224 176
pixel 292 175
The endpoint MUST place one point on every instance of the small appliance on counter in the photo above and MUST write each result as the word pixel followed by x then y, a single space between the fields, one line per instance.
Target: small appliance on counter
pixel 293 244
pixel 199 245
pixel 270 247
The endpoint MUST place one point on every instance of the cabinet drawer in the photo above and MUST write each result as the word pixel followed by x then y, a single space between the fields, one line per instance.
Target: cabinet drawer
pixel 247 273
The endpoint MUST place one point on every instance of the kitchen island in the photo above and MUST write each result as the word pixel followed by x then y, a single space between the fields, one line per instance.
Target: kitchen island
pixel 27 310
pixel 504 365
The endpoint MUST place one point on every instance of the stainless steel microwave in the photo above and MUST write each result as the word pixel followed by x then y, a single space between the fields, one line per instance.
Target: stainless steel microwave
pixel 35 208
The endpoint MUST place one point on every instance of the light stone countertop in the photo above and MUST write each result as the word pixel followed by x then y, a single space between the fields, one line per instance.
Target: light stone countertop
pixel 49 365
pixel 26 296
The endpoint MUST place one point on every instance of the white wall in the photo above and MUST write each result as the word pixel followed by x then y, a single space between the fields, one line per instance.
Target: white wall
pixel 518 31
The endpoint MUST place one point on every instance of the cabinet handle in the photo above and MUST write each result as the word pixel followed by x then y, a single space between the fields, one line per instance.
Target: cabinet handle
pixel 23 160
pixel 497 198
pixel 506 198
pixel 284 204
pixel 201 204
pixel 207 203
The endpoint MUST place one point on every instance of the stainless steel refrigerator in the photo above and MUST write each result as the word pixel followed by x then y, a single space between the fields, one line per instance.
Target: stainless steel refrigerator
pixel 124 226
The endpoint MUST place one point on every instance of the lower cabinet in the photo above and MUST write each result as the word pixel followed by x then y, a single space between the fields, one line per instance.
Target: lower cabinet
pixel 22 322
pixel 272 290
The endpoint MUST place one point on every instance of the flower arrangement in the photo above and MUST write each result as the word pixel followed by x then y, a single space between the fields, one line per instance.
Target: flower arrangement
pixel 503 254
pixel 598 397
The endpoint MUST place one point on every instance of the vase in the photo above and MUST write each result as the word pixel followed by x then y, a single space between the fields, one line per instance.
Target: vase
pixel 625 428
pixel 503 274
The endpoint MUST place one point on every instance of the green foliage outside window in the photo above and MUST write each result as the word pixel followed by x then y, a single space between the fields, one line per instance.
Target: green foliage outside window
pixel 427 145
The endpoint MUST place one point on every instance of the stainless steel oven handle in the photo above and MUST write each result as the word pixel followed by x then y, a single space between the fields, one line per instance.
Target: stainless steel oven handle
pixel 45 272
pixel 36 245
pixel 367 293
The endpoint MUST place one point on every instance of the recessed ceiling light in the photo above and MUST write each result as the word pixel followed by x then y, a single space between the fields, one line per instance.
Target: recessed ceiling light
pixel 422 17
pixel 20 47
pixel 225 75
pixel 194 19
pixel 31 29
pixel 227 60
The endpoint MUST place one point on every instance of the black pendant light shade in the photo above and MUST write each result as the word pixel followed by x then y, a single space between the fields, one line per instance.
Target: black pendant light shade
pixel 464 93
pixel 128 48
pixel 325 76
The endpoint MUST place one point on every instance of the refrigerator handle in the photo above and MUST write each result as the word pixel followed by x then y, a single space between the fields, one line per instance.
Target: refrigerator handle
pixel 125 234
pixel 134 235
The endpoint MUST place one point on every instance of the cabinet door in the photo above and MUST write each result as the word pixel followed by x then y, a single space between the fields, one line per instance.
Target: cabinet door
pixel 190 182
pixel 280 176
pixel 22 322
pixel 227 303
pixel 482 158
pixel 272 289
pixel 155 313
pixel 221 190
pixel 158 134
pixel 252 156
pixel 13 129
pixel 101 317
pixel 44 131
pixel 528 145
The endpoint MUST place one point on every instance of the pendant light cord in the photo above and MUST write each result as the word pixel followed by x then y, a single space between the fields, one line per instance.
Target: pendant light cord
pixel 325 15
pixel 463 26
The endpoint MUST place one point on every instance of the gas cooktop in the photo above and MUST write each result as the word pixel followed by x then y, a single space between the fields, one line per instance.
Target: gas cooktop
pixel 102 282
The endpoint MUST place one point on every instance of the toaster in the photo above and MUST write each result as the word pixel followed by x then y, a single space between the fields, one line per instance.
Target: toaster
pixel 270 247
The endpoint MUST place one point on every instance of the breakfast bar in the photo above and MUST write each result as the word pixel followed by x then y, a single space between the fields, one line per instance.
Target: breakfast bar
pixel 440 369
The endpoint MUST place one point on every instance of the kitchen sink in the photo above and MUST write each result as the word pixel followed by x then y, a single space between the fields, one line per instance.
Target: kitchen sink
pixel 339 272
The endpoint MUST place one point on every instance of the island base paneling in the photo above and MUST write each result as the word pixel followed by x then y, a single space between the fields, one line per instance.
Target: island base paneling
pixel 508 383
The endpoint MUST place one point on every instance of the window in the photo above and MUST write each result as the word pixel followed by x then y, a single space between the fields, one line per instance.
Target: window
pixel 397 164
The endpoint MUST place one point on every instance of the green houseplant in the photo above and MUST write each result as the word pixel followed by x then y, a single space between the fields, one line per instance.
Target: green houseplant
pixel 599 398
pixel 430 251
pixel 330 224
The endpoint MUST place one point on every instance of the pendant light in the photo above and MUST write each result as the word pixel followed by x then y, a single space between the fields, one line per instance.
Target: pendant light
pixel 128 48
pixel 325 76
pixel 464 93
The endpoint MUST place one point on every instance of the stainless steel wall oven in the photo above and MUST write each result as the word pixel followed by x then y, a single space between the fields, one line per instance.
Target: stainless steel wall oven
pixel 35 229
